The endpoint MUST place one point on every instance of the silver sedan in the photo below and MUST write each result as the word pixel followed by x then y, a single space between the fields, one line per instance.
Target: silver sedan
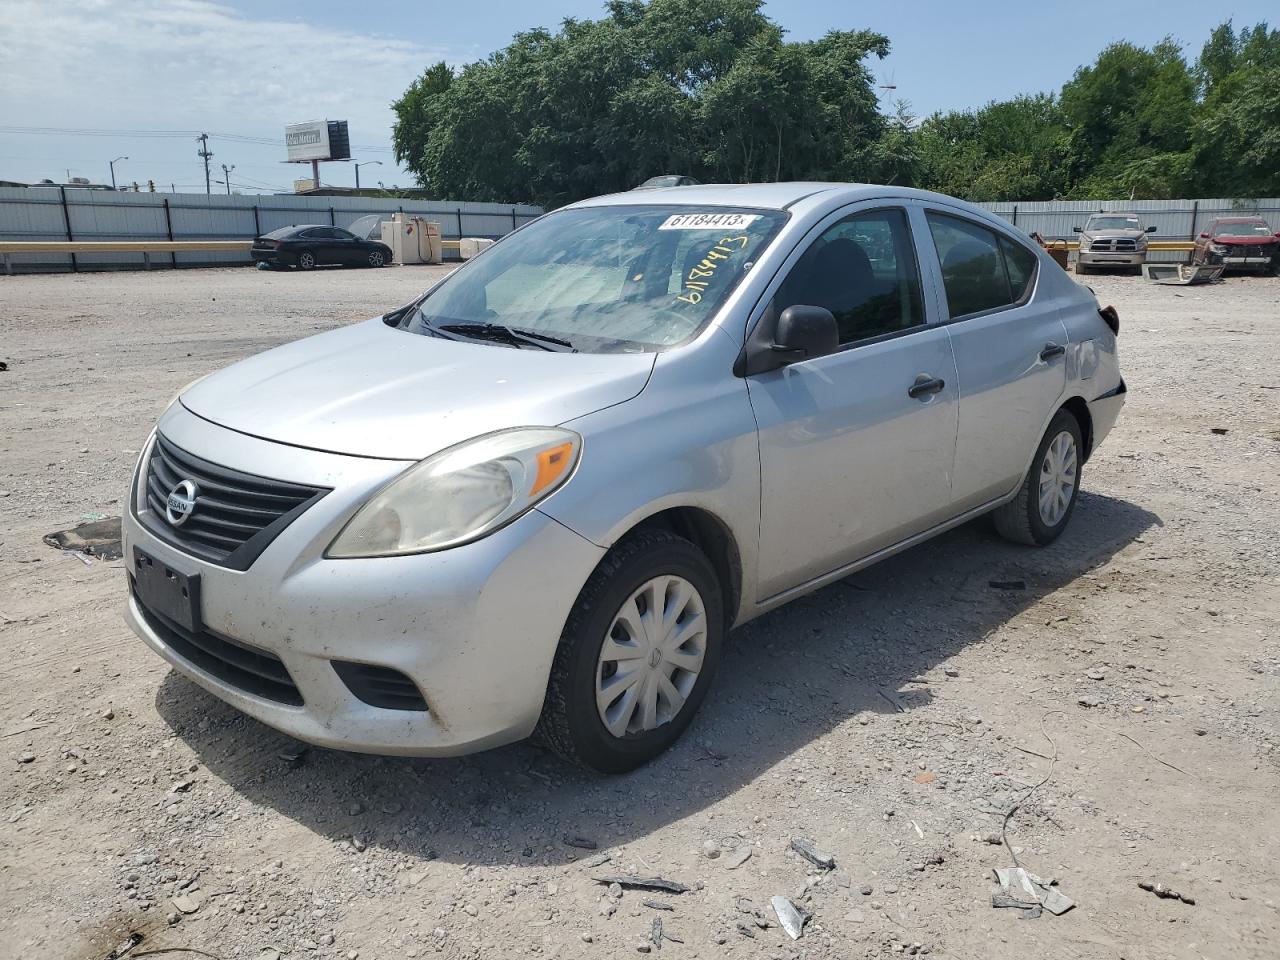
pixel 533 501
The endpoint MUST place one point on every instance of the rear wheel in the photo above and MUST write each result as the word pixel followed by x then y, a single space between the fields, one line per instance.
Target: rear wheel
pixel 306 260
pixel 637 654
pixel 1045 501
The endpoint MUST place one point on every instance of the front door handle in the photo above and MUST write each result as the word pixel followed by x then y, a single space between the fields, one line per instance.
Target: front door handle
pixel 1052 350
pixel 925 385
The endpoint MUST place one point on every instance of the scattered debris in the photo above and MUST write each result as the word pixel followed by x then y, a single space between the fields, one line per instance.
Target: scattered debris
pixel 23 728
pixel 98 538
pixel 736 859
pixel 792 920
pixel 582 843
pixel 925 776
pixel 1166 893
pixel 600 860
pixel 187 902
pixel 658 905
pixel 1028 892
pixel 125 946
pixel 645 883
pixel 1220 431
pixel 294 755
pixel 1007 584
pixel 1180 273
pixel 655 933
pixel 818 858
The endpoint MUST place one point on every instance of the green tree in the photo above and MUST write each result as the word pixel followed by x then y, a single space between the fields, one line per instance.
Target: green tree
pixel 417 113
pixel 709 88
pixel 1237 136
pixel 1132 113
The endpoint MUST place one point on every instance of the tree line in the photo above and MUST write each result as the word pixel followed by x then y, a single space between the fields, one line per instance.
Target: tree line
pixel 712 89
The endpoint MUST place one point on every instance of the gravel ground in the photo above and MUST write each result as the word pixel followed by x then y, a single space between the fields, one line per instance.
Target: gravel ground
pixel 892 718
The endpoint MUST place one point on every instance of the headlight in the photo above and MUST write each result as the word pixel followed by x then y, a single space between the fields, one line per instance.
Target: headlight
pixel 1084 243
pixel 1140 243
pixel 461 494
pixel 1218 248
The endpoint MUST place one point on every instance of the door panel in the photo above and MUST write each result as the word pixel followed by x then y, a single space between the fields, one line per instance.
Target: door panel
pixel 849 462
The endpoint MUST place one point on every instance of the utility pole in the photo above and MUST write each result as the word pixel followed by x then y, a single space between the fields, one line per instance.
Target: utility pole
pixel 112 165
pixel 226 176
pixel 204 154
pixel 376 163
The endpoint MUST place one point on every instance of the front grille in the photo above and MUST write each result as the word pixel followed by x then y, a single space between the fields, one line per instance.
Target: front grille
pixel 1116 244
pixel 236 515
pixel 247 668
pixel 380 686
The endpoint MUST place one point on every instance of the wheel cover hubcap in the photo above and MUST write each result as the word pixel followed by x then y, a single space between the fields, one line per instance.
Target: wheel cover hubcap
pixel 651 656
pixel 1058 472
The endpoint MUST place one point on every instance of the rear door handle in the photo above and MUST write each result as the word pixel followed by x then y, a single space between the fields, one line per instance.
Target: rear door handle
pixel 1052 350
pixel 925 385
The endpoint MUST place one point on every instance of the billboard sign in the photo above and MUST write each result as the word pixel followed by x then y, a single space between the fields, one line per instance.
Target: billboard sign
pixel 317 140
pixel 307 141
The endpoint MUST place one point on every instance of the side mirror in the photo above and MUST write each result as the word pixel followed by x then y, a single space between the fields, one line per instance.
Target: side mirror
pixel 1278 236
pixel 804 333
pixel 1151 229
pixel 1077 229
pixel 1205 236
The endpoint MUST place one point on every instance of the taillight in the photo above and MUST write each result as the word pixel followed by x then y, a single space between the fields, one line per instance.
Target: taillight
pixel 1112 318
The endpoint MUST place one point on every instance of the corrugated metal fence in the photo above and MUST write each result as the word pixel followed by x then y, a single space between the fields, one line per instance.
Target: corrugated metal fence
pixel 56 213
pixel 1173 219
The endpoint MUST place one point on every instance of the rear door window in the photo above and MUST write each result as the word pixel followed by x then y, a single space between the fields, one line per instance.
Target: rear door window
pixel 973 266
pixel 1021 264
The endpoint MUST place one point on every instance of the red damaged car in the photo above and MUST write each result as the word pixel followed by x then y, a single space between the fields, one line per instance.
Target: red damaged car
pixel 1238 243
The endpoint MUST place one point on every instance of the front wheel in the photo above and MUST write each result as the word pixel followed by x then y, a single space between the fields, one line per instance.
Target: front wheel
pixel 1045 501
pixel 376 259
pixel 637 654
pixel 1081 269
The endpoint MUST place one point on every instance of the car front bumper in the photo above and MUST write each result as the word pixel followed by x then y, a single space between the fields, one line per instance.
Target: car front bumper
pixel 1109 258
pixel 474 628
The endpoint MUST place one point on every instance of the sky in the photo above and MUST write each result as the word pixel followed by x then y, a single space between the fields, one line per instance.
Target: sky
pixel 140 78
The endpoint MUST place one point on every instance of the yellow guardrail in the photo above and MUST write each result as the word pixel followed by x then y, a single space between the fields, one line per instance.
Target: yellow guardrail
pixel 121 246
pixel 1151 244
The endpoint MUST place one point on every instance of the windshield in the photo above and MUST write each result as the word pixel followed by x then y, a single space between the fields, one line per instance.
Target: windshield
pixel 1113 223
pixel 602 279
pixel 1243 230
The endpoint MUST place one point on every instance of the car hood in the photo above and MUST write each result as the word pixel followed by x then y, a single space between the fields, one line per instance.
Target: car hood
pixel 373 391
pixel 1254 241
pixel 1114 234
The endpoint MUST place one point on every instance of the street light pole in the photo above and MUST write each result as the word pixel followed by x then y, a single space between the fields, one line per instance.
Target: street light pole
pixel 226 176
pixel 376 163
pixel 112 165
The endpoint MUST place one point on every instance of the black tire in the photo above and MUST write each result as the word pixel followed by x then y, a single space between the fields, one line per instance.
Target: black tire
pixel 376 258
pixel 570 724
pixel 1081 269
pixel 1019 520
pixel 306 260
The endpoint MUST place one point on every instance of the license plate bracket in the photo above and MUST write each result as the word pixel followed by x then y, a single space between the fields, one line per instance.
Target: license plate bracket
pixel 166 591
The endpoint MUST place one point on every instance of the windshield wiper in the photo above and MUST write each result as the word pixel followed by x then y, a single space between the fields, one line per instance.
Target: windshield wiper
pixel 504 334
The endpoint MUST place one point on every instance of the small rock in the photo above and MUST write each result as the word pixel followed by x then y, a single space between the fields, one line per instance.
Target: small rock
pixel 865 890
pixel 951 672
pixel 470 910
pixel 355 808
pixel 890 888
pixel 710 849
pixel 1096 675
pixel 615 891
pixel 1088 701
pixel 644 946
pixel 26 757
pixel 856 916
pixel 588 938
pixel 582 843
pixel 736 859
pixel 187 902
pixel 108 714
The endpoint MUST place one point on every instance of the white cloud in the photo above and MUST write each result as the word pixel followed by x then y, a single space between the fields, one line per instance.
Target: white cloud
pixel 194 64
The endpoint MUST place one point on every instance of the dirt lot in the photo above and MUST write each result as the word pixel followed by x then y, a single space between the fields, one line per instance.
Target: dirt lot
pixel 892 718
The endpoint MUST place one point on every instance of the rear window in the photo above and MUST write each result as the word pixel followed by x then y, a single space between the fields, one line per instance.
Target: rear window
pixel 281 234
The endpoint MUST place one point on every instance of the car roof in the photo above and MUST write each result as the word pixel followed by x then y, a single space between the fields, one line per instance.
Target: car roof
pixel 1239 220
pixel 1113 213
pixel 776 196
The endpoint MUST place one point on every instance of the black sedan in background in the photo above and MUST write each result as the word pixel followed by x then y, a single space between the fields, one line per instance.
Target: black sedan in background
pixel 311 245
